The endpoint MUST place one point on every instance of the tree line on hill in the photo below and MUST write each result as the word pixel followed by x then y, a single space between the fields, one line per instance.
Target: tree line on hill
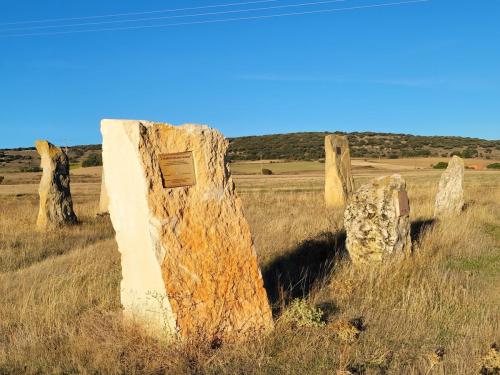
pixel 310 146
pixel 303 146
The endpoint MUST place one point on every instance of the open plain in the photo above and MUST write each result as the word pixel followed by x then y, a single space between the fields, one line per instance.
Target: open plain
pixel 436 312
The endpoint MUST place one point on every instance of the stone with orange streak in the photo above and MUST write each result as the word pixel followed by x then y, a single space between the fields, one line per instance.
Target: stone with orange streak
pixel 188 261
pixel 56 204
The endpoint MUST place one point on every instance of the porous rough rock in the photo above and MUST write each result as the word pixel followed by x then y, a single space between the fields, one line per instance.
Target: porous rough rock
pixel 339 183
pixel 450 195
pixel 188 262
pixel 56 205
pixel 377 221
pixel 103 198
pixel 490 363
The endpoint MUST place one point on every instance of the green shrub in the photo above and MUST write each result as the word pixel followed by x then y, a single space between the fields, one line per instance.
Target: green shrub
pixel 267 171
pixel 302 314
pixel 470 153
pixel 440 165
pixel 493 166
pixel 92 160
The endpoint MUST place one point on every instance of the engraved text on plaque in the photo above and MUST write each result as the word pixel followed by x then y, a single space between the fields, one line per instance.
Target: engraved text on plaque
pixel 177 169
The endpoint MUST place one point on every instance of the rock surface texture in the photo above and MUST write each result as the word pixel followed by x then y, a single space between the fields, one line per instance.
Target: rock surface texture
pixel 339 184
pixel 56 205
pixel 377 221
pixel 188 262
pixel 450 195
pixel 103 198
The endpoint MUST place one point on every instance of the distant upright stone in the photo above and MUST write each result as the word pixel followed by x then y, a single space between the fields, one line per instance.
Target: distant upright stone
pixel 103 198
pixel 377 221
pixel 188 262
pixel 339 184
pixel 56 205
pixel 450 195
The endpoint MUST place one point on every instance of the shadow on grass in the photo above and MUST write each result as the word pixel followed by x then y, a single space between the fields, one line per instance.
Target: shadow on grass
pixel 296 273
pixel 419 227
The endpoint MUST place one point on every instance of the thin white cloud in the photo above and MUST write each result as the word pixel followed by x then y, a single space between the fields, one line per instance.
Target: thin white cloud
pixel 407 82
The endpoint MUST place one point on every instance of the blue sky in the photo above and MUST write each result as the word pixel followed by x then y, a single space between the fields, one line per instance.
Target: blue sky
pixel 430 68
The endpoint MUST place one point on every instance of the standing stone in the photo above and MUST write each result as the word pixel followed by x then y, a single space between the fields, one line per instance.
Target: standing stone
pixel 103 198
pixel 339 184
pixel 188 262
pixel 450 195
pixel 377 221
pixel 56 205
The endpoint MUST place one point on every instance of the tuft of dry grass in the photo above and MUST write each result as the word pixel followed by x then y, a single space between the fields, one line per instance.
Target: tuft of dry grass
pixel 60 309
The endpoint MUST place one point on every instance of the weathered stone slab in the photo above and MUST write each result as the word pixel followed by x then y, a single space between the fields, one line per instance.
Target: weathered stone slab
pixel 339 183
pixel 103 198
pixel 56 205
pixel 450 195
pixel 188 261
pixel 377 221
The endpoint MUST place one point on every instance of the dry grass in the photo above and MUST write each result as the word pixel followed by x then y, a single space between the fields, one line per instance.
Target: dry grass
pixel 60 311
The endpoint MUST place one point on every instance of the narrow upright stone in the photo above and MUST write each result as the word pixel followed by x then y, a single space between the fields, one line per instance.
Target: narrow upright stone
pixel 339 184
pixel 377 221
pixel 56 205
pixel 450 195
pixel 103 198
pixel 188 262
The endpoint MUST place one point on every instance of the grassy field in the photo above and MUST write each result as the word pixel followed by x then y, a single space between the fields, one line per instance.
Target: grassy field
pixel 360 165
pixel 60 308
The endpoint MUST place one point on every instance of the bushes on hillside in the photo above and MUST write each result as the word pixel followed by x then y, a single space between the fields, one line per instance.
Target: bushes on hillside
pixel 310 146
pixel 92 160
pixel 470 153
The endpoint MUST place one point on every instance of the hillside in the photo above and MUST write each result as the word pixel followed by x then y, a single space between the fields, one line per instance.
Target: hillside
pixel 309 146
pixel 302 146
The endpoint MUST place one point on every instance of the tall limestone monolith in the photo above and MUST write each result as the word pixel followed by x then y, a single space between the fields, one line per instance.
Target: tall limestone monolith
pixel 188 262
pixel 339 184
pixel 450 195
pixel 377 221
pixel 56 205
pixel 103 197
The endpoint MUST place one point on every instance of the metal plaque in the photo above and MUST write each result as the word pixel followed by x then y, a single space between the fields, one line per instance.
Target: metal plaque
pixel 339 150
pixel 404 205
pixel 177 170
